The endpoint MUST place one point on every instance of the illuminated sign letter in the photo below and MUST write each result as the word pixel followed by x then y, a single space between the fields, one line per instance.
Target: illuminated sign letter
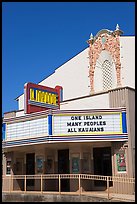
pixel 32 94
pixel 53 99
pixel 38 95
pixel 43 97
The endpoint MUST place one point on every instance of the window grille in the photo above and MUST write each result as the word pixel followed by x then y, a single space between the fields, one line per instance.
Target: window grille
pixel 107 75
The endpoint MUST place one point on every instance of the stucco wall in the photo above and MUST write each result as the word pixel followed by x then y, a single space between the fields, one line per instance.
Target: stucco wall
pixel 97 101
pixel 72 76
pixel 127 58
pixel 21 102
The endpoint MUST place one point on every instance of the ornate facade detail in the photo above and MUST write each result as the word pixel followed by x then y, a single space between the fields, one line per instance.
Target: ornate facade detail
pixel 104 40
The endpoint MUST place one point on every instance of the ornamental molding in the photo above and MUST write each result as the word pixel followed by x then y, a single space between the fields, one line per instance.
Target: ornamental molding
pixel 109 41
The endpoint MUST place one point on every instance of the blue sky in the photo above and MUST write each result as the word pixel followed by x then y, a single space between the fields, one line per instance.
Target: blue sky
pixel 38 37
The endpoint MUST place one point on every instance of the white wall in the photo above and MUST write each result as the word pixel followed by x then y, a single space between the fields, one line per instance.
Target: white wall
pixel 21 102
pixel 127 57
pixel 72 76
pixel 92 102
pixel 20 113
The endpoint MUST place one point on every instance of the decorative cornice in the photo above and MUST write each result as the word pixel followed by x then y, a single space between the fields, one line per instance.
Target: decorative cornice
pixel 117 31
pixel 104 40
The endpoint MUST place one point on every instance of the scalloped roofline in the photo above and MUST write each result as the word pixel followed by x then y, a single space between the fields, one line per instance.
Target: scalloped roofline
pixel 103 31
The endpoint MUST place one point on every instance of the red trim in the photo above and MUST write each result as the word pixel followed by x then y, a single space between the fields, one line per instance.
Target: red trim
pixel 29 108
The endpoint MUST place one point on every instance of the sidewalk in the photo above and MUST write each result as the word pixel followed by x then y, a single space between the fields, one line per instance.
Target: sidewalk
pixel 112 196
pixel 123 197
pixel 66 197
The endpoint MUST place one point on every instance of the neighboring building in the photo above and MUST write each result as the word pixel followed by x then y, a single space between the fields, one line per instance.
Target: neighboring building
pixel 83 120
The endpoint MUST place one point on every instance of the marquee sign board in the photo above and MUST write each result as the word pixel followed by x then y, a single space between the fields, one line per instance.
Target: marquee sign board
pixel 38 98
pixel 93 124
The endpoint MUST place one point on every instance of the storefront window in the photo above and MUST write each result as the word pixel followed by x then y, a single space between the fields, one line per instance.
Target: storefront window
pixel 39 164
pixel 75 163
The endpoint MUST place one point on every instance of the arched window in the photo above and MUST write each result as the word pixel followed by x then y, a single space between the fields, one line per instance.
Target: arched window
pixel 107 75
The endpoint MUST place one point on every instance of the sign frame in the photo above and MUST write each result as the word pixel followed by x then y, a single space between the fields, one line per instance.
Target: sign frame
pixel 39 98
pixel 73 131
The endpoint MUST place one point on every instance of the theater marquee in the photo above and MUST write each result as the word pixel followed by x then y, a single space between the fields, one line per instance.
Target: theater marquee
pixel 104 123
pixel 69 126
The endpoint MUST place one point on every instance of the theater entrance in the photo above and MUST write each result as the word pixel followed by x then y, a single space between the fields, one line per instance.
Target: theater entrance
pixel 102 163
pixel 30 170
pixel 63 168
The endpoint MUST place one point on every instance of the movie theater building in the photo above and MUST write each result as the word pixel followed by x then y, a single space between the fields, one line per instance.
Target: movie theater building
pixel 80 119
